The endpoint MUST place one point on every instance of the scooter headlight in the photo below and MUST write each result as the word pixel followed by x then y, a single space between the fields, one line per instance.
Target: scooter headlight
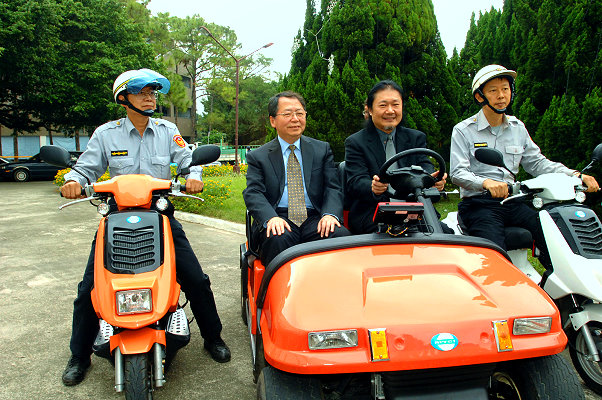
pixel 134 301
pixel 332 339
pixel 537 202
pixel 580 197
pixel 532 326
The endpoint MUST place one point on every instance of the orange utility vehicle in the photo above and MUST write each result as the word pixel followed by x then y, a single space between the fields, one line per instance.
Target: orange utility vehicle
pixel 406 313
pixel 135 291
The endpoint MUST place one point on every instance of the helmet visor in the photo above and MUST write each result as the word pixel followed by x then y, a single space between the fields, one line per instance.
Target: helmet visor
pixel 146 78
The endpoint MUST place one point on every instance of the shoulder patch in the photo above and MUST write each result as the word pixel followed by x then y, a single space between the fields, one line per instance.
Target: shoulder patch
pixel 179 141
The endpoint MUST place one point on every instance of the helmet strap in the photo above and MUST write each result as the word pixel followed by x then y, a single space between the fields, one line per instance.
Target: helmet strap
pixel 485 102
pixel 125 101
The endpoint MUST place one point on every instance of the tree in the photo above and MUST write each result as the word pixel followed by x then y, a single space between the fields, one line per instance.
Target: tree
pixel 349 45
pixel 556 48
pixel 74 51
pixel 253 114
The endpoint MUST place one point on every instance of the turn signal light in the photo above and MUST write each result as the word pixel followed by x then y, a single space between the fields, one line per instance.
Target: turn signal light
pixel 502 336
pixel 378 344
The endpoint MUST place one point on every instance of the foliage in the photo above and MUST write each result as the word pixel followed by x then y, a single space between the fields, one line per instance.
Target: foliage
pixel 556 48
pixel 347 46
pixel 75 48
pixel 253 119
pixel 222 170
pixel 59 178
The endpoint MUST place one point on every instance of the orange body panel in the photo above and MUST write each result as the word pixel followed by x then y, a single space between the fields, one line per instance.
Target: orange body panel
pixel 132 190
pixel 106 284
pixel 415 291
pixel 139 341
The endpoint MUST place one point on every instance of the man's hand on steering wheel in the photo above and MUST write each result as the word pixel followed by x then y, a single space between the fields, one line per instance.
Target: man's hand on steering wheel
pixel 378 188
pixel 440 185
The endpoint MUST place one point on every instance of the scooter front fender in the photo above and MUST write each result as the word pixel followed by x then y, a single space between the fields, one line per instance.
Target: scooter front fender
pixel 137 341
pixel 591 312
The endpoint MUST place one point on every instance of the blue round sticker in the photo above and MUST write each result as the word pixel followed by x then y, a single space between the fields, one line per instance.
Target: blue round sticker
pixel 444 341
pixel 134 219
pixel 580 214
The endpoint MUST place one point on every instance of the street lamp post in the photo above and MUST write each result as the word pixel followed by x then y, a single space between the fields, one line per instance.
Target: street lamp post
pixel 237 61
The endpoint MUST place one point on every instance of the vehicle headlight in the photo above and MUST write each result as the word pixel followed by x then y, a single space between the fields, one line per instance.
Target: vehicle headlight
pixel 531 326
pixel 332 339
pixel 580 197
pixel 537 202
pixel 134 301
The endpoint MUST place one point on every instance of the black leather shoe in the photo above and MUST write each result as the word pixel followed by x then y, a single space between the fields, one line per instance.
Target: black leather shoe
pixel 75 372
pixel 218 350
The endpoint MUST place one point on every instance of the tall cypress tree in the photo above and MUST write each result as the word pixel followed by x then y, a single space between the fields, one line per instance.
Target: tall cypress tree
pixel 349 45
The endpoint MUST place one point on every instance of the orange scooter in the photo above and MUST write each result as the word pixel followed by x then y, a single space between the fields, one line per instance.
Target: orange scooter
pixel 405 313
pixel 135 291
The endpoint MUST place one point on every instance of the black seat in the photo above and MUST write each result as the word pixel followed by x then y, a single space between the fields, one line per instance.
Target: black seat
pixel 343 180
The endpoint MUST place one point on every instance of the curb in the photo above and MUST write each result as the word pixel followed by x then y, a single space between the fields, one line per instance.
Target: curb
pixel 212 222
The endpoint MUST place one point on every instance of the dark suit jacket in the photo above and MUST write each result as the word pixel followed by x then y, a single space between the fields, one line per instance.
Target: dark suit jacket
pixel 364 155
pixel 266 178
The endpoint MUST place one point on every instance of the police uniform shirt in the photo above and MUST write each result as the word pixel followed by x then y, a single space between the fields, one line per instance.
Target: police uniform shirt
pixel 118 145
pixel 512 139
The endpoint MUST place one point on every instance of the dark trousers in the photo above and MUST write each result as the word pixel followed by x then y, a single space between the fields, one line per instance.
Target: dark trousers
pixel 270 247
pixel 486 217
pixel 195 284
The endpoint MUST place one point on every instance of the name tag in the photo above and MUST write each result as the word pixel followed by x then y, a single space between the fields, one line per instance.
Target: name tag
pixel 116 153
pixel 484 144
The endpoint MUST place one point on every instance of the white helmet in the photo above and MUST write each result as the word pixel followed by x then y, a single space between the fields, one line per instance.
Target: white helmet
pixel 134 80
pixel 489 72
pixel 486 74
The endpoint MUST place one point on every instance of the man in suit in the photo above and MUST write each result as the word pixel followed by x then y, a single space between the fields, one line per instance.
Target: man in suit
pixel 293 193
pixel 366 151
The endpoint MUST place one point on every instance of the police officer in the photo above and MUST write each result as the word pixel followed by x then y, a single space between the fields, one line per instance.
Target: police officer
pixel 139 144
pixel 483 186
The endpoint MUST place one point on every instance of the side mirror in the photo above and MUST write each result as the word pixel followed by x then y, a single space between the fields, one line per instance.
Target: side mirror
pixel 597 153
pixel 490 157
pixel 205 154
pixel 57 156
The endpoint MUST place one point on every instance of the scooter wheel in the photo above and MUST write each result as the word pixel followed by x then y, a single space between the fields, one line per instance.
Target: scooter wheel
pixel 589 370
pixel 137 371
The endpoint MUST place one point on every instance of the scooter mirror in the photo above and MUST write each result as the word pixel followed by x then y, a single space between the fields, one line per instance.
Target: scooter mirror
pixel 205 154
pixel 490 157
pixel 597 153
pixel 57 156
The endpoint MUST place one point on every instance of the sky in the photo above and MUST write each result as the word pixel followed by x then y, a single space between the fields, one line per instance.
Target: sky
pixel 260 22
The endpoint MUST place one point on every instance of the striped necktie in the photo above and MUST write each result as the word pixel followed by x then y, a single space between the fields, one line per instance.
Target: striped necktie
pixel 297 212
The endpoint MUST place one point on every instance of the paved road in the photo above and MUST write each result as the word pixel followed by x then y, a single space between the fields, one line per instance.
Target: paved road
pixel 42 255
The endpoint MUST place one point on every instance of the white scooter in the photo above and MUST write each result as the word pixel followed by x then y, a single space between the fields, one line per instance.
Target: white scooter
pixel 573 235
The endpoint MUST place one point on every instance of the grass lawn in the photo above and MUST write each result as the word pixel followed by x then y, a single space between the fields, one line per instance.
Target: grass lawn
pixel 233 208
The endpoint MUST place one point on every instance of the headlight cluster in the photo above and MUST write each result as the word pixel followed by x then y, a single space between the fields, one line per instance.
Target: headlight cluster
pixel 332 339
pixel 134 301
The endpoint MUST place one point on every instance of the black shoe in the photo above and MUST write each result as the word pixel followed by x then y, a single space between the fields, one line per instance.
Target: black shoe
pixel 218 350
pixel 75 372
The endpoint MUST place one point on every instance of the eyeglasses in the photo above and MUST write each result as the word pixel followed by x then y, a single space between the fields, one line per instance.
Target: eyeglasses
pixel 151 93
pixel 298 114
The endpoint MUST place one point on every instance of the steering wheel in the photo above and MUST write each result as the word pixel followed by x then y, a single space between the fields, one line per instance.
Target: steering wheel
pixel 407 179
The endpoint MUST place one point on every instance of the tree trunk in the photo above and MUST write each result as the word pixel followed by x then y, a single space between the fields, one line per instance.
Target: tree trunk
pixel 0 140
pixel 50 135
pixel 77 140
pixel 16 145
